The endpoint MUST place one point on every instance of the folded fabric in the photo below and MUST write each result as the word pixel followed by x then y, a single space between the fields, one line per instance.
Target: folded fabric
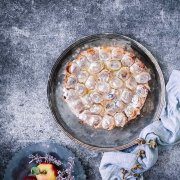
pixel 122 165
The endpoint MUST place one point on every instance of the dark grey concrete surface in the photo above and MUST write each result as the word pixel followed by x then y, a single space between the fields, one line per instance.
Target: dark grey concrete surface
pixel 34 33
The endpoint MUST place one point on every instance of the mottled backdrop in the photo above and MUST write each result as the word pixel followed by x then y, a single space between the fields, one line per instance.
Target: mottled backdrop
pixel 34 33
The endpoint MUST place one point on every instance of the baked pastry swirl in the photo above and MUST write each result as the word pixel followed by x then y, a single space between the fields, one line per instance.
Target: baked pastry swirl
pixel 106 86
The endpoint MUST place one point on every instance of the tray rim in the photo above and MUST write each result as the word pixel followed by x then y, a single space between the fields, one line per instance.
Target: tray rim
pixel 137 140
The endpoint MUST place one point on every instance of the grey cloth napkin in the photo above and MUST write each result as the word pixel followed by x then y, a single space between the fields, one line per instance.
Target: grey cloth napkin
pixel 122 165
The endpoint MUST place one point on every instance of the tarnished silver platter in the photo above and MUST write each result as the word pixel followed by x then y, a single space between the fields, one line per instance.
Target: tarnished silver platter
pixel 99 139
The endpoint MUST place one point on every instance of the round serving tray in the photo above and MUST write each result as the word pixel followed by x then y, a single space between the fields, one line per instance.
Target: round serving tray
pixel 98 139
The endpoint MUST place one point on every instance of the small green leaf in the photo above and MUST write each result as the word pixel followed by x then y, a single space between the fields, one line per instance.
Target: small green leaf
pixel 35 170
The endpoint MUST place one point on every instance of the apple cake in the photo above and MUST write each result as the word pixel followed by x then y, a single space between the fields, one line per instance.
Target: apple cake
pixel 106 86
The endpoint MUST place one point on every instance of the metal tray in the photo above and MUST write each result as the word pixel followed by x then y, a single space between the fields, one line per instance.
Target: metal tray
pixel 118 138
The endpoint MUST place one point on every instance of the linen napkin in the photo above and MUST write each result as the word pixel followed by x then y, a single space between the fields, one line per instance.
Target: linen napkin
pixel 122 165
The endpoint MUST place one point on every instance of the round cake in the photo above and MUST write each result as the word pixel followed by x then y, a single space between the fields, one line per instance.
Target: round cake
pixel 106 86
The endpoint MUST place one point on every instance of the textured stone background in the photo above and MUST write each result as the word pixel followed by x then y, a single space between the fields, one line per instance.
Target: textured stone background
pixel 34 33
